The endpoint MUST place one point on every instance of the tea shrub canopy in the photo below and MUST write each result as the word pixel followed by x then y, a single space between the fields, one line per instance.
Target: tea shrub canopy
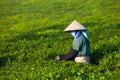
pixel 32 34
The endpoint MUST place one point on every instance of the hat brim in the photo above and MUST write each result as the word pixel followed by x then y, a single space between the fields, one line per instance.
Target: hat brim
pixel 74 26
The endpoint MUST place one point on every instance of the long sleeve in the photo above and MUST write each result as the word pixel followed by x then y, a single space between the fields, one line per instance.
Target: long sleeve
pixel 70 56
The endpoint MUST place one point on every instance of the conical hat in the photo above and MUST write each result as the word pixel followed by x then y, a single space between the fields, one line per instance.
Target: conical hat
pixel 75 26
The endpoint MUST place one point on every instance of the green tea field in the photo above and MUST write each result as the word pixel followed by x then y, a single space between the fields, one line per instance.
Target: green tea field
pixel 32 34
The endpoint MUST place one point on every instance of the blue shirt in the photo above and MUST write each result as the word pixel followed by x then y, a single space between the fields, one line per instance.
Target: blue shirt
pixel 82 45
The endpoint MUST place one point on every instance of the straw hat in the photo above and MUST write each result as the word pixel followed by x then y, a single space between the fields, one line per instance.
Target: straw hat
pixel 75 26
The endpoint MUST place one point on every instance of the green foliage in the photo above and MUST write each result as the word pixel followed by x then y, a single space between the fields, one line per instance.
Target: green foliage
pixel 31 35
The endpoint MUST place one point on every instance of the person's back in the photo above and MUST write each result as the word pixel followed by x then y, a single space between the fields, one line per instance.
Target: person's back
pixel 82 45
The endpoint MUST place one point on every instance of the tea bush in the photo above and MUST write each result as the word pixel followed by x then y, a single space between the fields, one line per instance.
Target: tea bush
pixel 32 34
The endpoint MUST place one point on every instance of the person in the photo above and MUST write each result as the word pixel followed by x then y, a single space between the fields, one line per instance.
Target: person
pixel 80 51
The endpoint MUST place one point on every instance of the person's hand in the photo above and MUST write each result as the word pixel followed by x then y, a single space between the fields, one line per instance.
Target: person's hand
pixel 57 57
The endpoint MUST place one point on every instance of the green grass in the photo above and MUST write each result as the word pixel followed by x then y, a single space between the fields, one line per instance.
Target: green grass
pixel 32 33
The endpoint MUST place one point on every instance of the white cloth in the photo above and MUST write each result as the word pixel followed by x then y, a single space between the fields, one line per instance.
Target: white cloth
pixel 76 34
pixel 85 33
pixel 82 59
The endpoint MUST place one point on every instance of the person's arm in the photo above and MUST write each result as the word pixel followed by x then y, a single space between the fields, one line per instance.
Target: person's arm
pixel 70 56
